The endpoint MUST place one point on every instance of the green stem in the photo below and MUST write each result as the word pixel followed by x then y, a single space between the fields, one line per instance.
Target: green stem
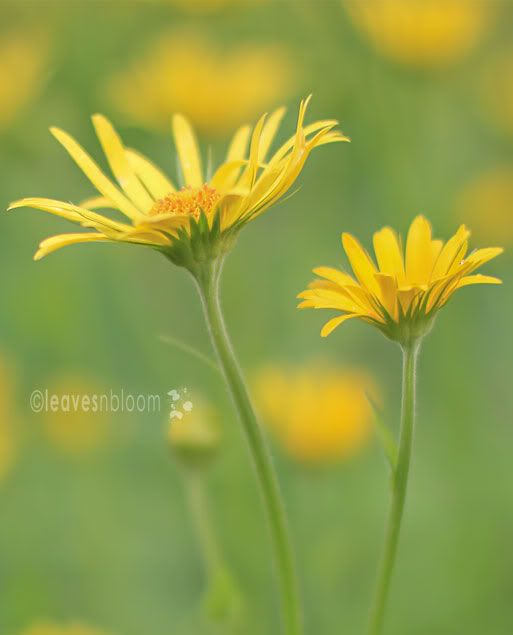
pixel 207 278
pixel 199 512
pixel 400 481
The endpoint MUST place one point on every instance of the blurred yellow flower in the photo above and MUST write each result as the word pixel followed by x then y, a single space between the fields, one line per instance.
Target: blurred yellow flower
pixel 422 33
pixel 404 293
pixel 23 59
pixel 77 425
pixel 318 413
pixel 8 420
pixel 201 220
pixel 487 201
pixel 216 88
pixel 47 628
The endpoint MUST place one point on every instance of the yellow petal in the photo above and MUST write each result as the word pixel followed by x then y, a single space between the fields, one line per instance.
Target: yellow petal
pixel 97 202
pixel 334 322
pixel 120 165
pixel 95 175
pixel 72 213
pixel 289 144
pixel 388 253
pixel 269 132
pixel 58 208
pixel 226 175
pixel 419 263
pixel 408 296
pixel 249 175
pixel 330 299
pixel 188 152
pixel 482 256
pixel 54 243
pixel 478 279
pixel 361 263
pixel 239 144
pixel 450 253
pixel 388 287
pixel 153 178
pixel 335 275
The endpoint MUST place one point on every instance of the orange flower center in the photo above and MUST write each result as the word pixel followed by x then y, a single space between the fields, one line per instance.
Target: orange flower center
pixel 189 201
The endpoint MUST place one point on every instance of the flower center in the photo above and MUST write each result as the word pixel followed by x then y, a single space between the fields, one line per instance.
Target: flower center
pixel 190 201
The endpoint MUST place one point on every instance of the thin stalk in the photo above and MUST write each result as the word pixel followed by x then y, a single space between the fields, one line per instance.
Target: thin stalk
pixel 399 486
pixel 201 519
pixel 207 278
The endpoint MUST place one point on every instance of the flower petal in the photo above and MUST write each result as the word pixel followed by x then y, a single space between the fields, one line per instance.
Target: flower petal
pixel 389 254
pixel 152 177
pixel 419 263
pixel 332 324
pixel 334 275
pixel 239 144
pixel 120 165
pixel 188 151
pixel 361 263
pixel 54 243
pixel 269 132
pixel 478 278
pixel 450 253
pixel 95 175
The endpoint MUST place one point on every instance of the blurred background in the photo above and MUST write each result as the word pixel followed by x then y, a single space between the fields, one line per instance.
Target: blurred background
pixel 99 524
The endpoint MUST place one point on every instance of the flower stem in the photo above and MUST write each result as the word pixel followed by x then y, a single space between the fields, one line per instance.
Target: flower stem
pixel 399 485
pixel 200 516
pixel 207 278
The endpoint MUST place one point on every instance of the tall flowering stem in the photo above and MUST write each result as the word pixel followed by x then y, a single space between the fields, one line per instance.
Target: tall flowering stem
pixel 399 485
pixel 207 276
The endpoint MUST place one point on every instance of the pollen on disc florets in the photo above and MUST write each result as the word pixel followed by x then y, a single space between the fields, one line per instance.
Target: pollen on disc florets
pixel 189 201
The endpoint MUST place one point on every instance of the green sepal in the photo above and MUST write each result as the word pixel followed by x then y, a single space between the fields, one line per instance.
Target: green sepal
pixel 201 242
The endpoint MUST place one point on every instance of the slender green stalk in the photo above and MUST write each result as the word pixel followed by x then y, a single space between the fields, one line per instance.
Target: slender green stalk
pixel 399 485
pixel 207 278
pixel 202 525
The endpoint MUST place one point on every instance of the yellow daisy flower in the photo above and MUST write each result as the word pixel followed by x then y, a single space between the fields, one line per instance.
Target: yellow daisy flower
pixel 422 33
pixel 214 87
pixel 401 295
pixel 318 413
pixel 198 221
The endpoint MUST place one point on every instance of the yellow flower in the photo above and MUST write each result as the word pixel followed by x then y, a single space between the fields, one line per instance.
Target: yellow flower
pixel 215 89
pixel 487 203
pixel 422 33
pixel 401 295
pixel 77 425
pixel 199 221
pixel 23 57
pixel 318 413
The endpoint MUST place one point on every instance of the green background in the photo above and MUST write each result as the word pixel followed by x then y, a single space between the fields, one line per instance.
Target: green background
pixel 107 539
